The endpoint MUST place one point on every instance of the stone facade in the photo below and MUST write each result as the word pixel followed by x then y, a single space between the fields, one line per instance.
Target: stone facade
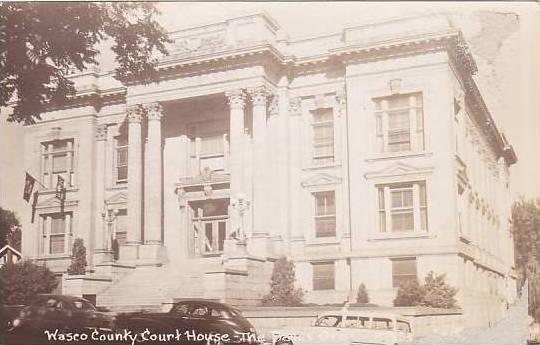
pixel 367 155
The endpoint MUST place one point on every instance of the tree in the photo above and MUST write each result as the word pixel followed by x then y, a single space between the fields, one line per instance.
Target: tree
pixel 409 293
pixel 437 293
pixel 43 42
pixel 78 258
pixel 10 228
pixel 526 232
pixel 362 294
pixel 282 290
pixel 22 281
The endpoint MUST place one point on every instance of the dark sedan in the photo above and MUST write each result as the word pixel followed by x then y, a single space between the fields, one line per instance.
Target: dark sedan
pixel 191 322
pixel 58 313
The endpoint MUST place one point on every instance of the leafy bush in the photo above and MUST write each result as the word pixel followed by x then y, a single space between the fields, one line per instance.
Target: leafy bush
pixel 78 258
pixel 434 293
pixel 409 294
pixel 362 294
pixel 437 293
pixel 23 280
pixel 282 290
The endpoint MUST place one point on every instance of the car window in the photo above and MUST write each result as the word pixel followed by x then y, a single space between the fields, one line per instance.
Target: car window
pixel 328 321
pixel 403 326
pixel 51 302
pixel 350 322
pixel 83 305
pixel 220 313
pixel 200 311
pixel 381 323
pixel 180 309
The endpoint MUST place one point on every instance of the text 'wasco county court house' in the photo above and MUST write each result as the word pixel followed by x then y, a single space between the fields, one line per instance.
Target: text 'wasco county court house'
pixel 366 156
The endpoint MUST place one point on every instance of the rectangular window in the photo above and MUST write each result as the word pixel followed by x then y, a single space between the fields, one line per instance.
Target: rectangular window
pixel 325 214
pixel 402 207
pixel 403 271
pixel 57 160
pixel 399 123
pixel 56 228
pixel 323 135
pixel 121 159
pixel 121 227
pixel 323 276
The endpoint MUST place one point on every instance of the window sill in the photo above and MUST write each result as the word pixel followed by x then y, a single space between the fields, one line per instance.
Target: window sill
pixel 53 190
pixel 119 186
pixel 334 164
pixel 394 236
pixel 55 257
pixel 395 155
pixel 323 241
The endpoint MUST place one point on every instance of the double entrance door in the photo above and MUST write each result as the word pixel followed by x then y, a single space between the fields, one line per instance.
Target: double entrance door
pixel 209 223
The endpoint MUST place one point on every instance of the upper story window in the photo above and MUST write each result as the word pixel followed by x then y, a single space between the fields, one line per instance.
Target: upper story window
pixel 323 135
pixel 402 207
pixel 399 123
pixel 121 160
pixel 323 276
pixel 57 160
pixel 209 144
pixel 403 271
pixel 325 214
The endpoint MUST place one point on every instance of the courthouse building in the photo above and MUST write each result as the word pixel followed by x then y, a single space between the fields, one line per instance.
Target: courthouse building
pixel 366 155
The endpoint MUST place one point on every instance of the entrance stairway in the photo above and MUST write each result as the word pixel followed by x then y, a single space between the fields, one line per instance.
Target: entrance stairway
pixel 147 287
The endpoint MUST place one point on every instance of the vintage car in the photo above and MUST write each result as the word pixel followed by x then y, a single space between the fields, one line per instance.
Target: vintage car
pixel 58 312
pixel 198 321
pixel 347 327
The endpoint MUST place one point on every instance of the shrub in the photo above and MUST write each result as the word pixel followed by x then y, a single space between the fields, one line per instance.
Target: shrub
pixel 362 294
pixel 282 290
pixel 23 280
pixel 437 293
pixel 78 258
pixel 409 294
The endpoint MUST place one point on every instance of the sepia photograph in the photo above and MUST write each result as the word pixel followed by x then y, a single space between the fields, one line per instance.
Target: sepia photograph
pixel 270 173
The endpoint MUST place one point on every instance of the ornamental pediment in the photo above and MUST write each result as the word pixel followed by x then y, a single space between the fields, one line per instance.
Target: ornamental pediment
pixel 321 180
pixel 397 169
pixel 118 198
pixel 54 202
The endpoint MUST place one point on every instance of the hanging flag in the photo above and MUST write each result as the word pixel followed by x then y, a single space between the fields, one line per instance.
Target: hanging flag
pixel 34 204
pixel 60 188
pixel 28 187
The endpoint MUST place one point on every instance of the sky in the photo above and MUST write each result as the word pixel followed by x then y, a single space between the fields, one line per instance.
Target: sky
pixel 504 39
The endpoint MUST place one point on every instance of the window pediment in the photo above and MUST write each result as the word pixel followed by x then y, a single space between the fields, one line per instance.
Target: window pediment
pixel 118 198
pixel 54 202
pixel 399 169
pixel 321 180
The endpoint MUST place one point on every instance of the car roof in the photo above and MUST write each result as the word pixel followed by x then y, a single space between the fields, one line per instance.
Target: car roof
pixel 62 297
pixel 349 312
pixel 203 301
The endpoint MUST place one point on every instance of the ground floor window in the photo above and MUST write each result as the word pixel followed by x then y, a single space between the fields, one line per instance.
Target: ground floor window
pixel 403 271
pixel 56 229
pixel 323 276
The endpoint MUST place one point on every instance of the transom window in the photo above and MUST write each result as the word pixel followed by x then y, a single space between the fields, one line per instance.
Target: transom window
pixel 399 123
pixel 323 276
pixel 325 214
pixel 402 207
pixel 121 159
pixel 323 135
pixel 403 271
pixel 57 160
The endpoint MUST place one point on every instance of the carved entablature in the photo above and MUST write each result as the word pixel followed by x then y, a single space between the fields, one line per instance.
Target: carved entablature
pixel 118 200
pixel 208 43
pixel 321 180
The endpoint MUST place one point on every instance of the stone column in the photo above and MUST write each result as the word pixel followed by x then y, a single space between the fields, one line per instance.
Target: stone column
pixel 134 175
pixel 258 97
pixel 236 99
pixel 99 192
pixel 153 185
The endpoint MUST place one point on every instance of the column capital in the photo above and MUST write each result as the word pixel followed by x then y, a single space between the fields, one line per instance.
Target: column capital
pixel 236 98
pixel 295 106
pixel 135 113
pixel 101 132
pixel 258 95
pixel 154 111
